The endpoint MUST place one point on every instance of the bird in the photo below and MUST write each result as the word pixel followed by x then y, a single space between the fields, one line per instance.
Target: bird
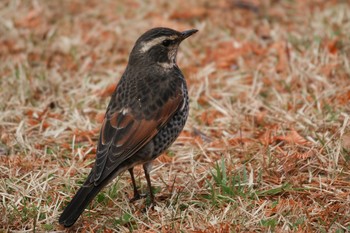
pixel 146 113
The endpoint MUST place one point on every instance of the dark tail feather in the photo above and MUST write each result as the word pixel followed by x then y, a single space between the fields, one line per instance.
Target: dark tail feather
pixel 78 204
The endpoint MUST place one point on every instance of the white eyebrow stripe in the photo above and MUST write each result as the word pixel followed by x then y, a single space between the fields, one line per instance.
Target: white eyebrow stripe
pixel 149 44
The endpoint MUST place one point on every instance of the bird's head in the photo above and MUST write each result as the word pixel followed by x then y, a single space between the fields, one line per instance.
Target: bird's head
pixel 158 46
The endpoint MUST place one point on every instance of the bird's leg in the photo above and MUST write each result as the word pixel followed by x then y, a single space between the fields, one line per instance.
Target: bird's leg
pixel 137 195
pixel 147 168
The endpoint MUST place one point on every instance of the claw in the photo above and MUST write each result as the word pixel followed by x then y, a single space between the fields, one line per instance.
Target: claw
pixel 137 197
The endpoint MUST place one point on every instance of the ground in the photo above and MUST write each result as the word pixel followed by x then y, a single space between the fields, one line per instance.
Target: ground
pixel 267 144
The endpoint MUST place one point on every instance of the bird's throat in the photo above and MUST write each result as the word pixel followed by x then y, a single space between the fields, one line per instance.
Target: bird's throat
pixel 167 65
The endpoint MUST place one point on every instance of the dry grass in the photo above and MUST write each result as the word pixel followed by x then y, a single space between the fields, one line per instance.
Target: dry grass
pixel 266 147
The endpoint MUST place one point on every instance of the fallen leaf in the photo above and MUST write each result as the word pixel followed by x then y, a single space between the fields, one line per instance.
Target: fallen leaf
pixel 266 137
pixel 293 137
pixel 100 117
pixel 208 117
pixel 203 136
pixel 165 158
pixel 239 141
pixel 345 141
pixel 192 13
pixel 305 155
pixel 332 45
pixel 283 56
pixel 344 98
pixel 31 20
pixel 108 91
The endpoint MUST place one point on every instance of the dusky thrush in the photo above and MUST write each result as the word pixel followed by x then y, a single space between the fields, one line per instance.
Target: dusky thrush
pixel 145 115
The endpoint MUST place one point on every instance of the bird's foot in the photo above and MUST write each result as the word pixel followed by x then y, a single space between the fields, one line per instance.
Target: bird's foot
pixel 149 206
pixel 137 197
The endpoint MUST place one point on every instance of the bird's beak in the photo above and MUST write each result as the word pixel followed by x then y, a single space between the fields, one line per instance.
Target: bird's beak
pixel 188 33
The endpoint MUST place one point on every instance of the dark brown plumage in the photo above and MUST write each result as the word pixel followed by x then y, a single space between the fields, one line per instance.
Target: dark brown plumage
pixel 146 113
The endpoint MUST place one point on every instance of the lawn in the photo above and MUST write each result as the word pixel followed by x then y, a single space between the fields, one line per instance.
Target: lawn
pixel 266 147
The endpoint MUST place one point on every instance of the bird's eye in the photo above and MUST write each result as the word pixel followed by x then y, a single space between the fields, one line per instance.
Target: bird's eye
pixel 166 43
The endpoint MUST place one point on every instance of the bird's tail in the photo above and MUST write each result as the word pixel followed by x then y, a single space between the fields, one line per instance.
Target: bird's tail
pixel 78 204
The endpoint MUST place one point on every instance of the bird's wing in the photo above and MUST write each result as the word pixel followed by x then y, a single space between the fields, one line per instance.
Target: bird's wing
pixel 122 135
